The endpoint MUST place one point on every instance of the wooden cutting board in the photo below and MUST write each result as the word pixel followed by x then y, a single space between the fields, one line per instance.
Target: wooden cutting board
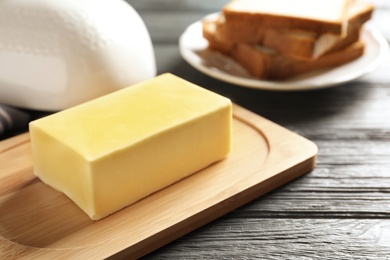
pixel 37 221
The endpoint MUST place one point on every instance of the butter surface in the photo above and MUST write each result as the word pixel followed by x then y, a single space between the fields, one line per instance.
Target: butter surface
pixel 113 151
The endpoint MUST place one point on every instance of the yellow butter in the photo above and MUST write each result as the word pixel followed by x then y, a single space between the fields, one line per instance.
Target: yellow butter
pixel 115 150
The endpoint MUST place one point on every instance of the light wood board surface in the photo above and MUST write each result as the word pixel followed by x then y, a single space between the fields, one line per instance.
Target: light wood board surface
pixel 37 221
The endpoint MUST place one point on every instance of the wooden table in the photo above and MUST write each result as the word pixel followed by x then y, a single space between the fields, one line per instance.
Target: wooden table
pixel 341 209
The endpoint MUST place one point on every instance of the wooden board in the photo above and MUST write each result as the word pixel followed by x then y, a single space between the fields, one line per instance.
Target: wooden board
pixel 37 221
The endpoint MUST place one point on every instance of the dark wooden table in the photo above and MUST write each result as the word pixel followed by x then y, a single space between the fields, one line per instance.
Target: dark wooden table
pixel 341 209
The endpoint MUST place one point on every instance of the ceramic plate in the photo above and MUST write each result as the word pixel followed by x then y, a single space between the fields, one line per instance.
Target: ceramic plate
pixel 193 48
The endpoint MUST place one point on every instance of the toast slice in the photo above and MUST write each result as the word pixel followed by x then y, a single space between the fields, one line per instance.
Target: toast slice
pixel 209 31
pixel 319 16
pixel 303 45
pixel 296 43
pixel 264 63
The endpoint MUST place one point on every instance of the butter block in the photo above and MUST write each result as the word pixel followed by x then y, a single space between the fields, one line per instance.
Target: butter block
pixel 113 151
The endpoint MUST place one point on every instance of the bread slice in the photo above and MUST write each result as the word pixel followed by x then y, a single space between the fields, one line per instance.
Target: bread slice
pixel 209 31
pixel 297 43
pixel 302 45
pixel 319 16
pixel 266 64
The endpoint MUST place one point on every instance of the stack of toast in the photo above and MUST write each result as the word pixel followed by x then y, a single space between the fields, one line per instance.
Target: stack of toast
pixel 281 39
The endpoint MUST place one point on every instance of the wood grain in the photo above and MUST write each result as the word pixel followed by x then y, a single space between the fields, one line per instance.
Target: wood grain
pixel 16 163
pixel 289 238
pixel 340 210
pixel 38 221
pixel 318 215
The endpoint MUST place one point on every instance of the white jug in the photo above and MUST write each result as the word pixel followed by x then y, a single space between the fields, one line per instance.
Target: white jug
pixel 56 54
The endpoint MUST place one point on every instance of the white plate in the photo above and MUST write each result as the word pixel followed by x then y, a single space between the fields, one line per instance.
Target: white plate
pixel 193 48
